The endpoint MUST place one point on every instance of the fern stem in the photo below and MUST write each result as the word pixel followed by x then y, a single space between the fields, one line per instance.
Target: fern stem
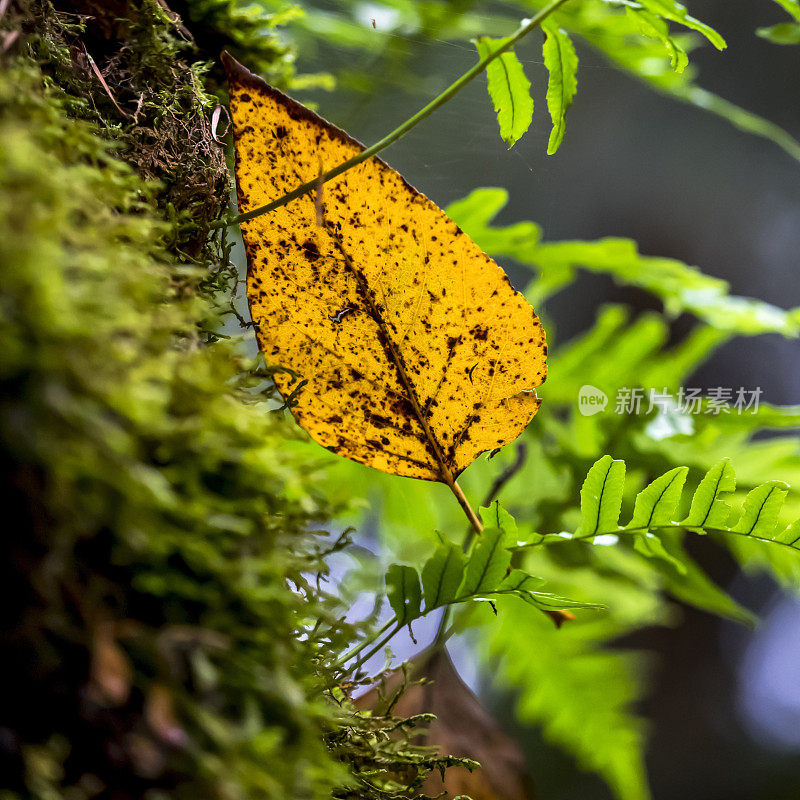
pixel 643 529
pixel 445 630
pixel 359 647
pixel 476 526
pixel 403 129
pixel 381 643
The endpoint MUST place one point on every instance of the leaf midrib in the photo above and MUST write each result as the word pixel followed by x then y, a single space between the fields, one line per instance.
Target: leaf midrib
pixel 445 473
pixel 660 498
pixel 511 103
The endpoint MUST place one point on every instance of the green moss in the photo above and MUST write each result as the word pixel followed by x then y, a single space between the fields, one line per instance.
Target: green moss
pixel 244 28
pixel 160 517
pixel 131 70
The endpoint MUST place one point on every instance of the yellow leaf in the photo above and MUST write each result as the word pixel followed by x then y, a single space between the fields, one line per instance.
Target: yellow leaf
pixel 417 352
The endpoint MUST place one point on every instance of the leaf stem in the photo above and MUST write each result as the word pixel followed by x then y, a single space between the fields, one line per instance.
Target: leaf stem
pixel 474 520
pixel 403 129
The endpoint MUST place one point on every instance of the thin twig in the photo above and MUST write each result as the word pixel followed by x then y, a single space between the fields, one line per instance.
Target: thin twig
pixel 507 474
pixel 8 40
pixel 103 83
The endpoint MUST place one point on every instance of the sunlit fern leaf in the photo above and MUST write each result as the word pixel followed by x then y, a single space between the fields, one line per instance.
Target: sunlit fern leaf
pixel 790 535
pixel 495 515
pixel 707 510
pixel 509 90
pixel 675 12
pixel 791 7
pixel 782 33
pixel 403 590
pixel 487 564
pixel 778 555
pixel 656 28
pixel 762 507
pixel 650 545
pixel 601 497
pixel 442 575
pixel 655 505
pixel 561 61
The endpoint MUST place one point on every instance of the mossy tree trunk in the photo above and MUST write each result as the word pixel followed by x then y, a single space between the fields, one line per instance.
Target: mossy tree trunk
pixel 154 521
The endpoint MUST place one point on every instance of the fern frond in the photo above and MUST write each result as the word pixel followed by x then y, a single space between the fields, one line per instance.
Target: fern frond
pixel 450 577
pixel 656 506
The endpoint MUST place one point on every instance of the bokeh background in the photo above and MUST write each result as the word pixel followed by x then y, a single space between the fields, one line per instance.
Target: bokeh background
pixel 725 700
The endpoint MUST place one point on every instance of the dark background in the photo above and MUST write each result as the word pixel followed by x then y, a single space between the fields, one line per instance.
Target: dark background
pixel 725 704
